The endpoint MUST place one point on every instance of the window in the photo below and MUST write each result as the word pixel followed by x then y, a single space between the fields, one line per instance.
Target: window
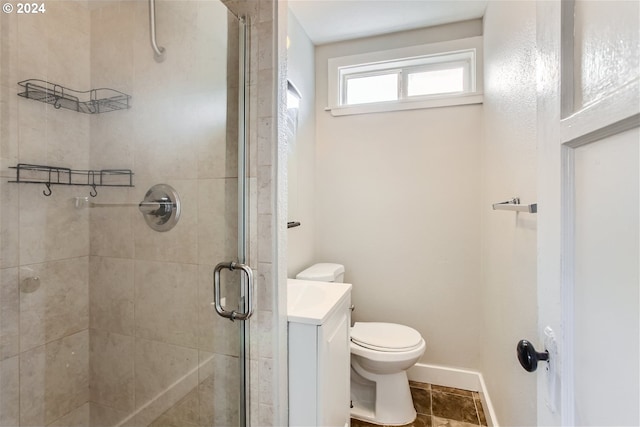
pixel 431 75
pixel 362 89
pixel 436 82
pixel 400 79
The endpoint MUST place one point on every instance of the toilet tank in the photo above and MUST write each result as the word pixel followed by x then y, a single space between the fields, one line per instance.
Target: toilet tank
pixel 323 272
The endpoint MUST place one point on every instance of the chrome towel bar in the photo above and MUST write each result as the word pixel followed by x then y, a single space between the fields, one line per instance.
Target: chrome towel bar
pixel 514 205
pixel 160 208
pixel 144 207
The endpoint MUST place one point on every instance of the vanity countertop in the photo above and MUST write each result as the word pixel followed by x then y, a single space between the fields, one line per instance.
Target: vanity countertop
pixel 313 302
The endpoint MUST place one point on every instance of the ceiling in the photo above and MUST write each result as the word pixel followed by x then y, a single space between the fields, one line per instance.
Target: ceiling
pixel 327 21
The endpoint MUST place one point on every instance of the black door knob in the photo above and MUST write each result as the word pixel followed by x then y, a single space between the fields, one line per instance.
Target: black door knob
pixel 529 357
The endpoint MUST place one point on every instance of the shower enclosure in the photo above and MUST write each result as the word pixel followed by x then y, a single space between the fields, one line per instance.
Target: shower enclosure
pixel 106 321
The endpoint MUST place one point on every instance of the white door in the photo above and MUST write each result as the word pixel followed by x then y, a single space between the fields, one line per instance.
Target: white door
pixel 588 255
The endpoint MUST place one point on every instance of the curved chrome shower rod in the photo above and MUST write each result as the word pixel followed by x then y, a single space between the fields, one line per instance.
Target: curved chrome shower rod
pixel 158 52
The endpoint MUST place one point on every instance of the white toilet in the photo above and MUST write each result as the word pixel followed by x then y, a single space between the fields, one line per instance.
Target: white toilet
pixel 381 353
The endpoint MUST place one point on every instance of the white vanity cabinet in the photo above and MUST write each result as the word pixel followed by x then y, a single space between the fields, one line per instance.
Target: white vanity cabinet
pixel 319 355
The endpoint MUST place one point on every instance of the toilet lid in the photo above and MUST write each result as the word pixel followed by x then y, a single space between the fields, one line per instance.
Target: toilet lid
pixel 385 336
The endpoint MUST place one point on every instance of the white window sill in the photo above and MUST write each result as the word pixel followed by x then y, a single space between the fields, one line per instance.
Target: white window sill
pixel 381 107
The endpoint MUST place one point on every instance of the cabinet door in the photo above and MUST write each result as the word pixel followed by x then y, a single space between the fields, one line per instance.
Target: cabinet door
pixel 334 381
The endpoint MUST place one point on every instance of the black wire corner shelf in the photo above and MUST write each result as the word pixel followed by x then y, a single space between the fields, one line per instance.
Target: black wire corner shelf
pixel 53 175
pixel 93 101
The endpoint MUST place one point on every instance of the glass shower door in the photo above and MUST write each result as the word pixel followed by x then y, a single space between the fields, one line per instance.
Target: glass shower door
pixel 105 321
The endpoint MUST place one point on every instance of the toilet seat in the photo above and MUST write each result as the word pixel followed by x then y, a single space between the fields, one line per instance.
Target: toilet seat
pixel 385 337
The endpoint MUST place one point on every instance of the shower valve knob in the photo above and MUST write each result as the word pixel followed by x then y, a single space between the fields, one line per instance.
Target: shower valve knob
pixel 529 357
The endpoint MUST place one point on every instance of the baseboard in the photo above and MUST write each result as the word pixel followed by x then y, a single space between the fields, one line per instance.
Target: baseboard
pixel 457 378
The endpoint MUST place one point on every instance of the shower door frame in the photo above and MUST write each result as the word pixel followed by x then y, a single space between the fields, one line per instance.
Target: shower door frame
pixel 243 216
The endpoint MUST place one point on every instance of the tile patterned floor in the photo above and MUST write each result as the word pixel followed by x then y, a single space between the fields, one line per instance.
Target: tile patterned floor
pixel 441 407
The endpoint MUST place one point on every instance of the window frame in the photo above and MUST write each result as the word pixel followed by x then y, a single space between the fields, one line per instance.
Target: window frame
pixel 408 60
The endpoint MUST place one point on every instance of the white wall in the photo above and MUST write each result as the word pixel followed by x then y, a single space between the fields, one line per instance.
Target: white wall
pixel 398 198
pixel 508 239
pixel 404 201
pixel 301 150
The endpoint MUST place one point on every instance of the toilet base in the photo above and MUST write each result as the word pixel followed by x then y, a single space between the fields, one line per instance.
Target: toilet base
pixel 381 399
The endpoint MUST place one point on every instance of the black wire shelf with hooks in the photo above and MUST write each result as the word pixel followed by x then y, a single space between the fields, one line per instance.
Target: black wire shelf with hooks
pixel 92 101
pixel 53 175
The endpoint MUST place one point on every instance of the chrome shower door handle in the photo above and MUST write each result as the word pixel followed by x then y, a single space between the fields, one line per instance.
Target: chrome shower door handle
pixel 233 315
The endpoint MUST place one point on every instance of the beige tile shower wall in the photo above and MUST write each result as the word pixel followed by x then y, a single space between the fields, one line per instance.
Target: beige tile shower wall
pixel 153 333
pixel 271 350
pixel 44 355
pixel 178 360
pixel 265 350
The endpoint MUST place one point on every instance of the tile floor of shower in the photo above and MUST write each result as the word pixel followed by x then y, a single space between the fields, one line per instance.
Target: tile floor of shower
pixel 439 406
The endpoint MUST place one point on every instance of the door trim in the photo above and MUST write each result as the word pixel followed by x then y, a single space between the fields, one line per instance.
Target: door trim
pixel 561 130
pixel 614 113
